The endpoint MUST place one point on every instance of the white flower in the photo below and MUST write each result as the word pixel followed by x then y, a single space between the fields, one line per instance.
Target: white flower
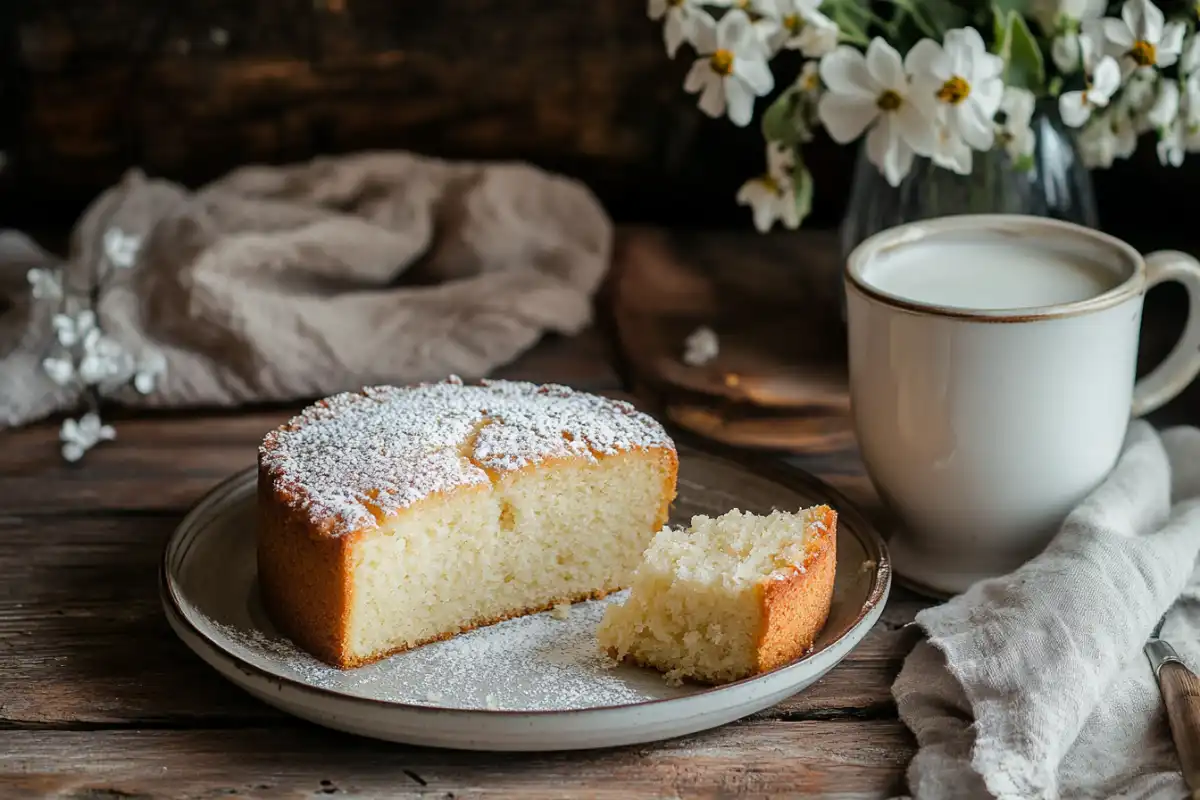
pixel 72 330
pixel 1142 38
pixel 44 283
pixel 809 79
pixel 103 359
pixel 950 150
pixel 79 436
pixel 802 27
pixel 1076 107
pixel 700 347
pixel 677 16
pixel 960 83
pixel 733 69
pixel 1076 50
pixel 1107 137
pixel 1190 60
pixel 121 249
pixel 764 19
pixel 1171 144
pixel 149 367
pixel 60 369
pixel 1165 110
pixel 772 196
pixel 1016 134
pixel 873 91
pixel 1058 15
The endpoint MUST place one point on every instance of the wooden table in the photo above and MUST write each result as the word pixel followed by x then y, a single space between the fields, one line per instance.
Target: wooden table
pixel 99 700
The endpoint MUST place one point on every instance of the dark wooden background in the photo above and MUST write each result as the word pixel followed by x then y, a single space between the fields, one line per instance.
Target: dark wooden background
pixel 190 88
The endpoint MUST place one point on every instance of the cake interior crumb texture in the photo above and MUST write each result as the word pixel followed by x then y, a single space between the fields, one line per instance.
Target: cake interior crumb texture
pixel 732 596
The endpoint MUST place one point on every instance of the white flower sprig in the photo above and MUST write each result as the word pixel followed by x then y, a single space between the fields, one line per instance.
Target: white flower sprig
pixel 84 356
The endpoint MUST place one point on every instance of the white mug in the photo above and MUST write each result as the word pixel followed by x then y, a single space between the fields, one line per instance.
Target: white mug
pixel 992 366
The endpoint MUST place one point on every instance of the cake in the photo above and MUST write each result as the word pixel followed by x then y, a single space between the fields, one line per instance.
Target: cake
pixel 394 517
pixel 731 597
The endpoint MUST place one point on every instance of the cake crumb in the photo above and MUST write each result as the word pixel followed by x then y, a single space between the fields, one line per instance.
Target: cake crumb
pixel 561 611
pixel 701 347
pixel 868 566
pixel 732 380
pixel 673 677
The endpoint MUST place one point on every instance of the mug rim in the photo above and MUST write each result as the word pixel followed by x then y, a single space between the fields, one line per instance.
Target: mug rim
pixel 909 233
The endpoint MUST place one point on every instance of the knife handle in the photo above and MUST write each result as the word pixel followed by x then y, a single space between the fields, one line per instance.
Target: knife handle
pixel 1181 695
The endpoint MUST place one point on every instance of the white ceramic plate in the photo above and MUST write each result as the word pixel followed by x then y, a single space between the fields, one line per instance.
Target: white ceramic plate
pixel 534 683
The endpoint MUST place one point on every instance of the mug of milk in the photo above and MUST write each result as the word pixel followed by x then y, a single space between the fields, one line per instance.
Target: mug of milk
pixel 992 366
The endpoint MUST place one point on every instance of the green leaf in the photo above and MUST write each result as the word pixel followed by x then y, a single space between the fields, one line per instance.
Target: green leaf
pixel 780 122
pixel 802 180
pixel 1024 65
pixel 1023 163
pixel 944 14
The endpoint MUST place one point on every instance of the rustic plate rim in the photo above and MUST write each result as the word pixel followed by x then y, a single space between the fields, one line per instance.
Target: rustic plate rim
pixel 772 469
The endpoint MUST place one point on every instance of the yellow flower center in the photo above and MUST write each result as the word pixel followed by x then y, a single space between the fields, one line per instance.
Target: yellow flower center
pixel 1143 53
pixel 954 91
pixel 722 62
pixel 793 23
pixel 770 184
pixel 889 101
pixel 810 82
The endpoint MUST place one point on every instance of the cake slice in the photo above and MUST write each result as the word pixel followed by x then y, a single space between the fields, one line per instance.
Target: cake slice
pixel 394 516
pixel 733 596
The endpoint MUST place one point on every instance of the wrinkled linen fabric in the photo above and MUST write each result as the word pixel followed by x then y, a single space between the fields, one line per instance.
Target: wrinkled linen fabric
pixel 1035 685
pixel 283 283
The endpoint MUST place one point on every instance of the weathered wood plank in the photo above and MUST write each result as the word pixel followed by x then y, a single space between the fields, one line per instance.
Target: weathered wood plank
pixel 83 641
pixel 752 759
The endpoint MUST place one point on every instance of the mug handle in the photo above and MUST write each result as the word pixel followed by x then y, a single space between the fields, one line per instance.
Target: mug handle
pixel 1173 375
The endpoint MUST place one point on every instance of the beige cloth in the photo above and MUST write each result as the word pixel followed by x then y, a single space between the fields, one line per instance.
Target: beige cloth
pixel 295 282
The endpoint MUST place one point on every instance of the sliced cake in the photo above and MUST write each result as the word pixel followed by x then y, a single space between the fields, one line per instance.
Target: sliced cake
pixel 730 597
pixel 398 516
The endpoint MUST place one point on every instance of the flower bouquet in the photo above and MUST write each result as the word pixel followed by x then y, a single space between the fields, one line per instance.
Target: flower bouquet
pixel 939 79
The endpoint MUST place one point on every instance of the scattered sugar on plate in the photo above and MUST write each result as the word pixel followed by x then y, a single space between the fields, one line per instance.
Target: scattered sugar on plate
pixel 542 662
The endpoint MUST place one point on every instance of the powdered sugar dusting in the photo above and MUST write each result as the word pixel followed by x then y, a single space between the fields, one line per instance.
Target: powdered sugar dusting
pixel 532 663
pixel 357 457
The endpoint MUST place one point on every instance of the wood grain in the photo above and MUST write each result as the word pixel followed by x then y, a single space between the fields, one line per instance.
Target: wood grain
pixel 752 759
pixel 1181 696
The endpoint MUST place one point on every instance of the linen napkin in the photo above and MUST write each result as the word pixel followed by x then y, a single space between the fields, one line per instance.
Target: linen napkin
pixel 1034 685
pixel 283 283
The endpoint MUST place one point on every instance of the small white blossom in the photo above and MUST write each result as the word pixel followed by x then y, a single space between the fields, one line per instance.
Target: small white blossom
pixel 959 82
pixel 72 330
pixel 771 197
pixel 149 367
pixel 1172 143
pixel 1165 110
pixel 701 347
pixel 1142 37
pixel 1059 15
pixel 873 91
pixel 79 436
pixel 803 27
pixel 1076 107
pixel 1016 134
pixel 44 283
pixel 121 249
pixel 61 369
pixel 1106 138
pixel 732 70
pixel 764 20
pixel 677 17
pixel 103 359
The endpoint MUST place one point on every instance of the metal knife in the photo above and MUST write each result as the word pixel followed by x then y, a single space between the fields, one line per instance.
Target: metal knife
pixel 1180 690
